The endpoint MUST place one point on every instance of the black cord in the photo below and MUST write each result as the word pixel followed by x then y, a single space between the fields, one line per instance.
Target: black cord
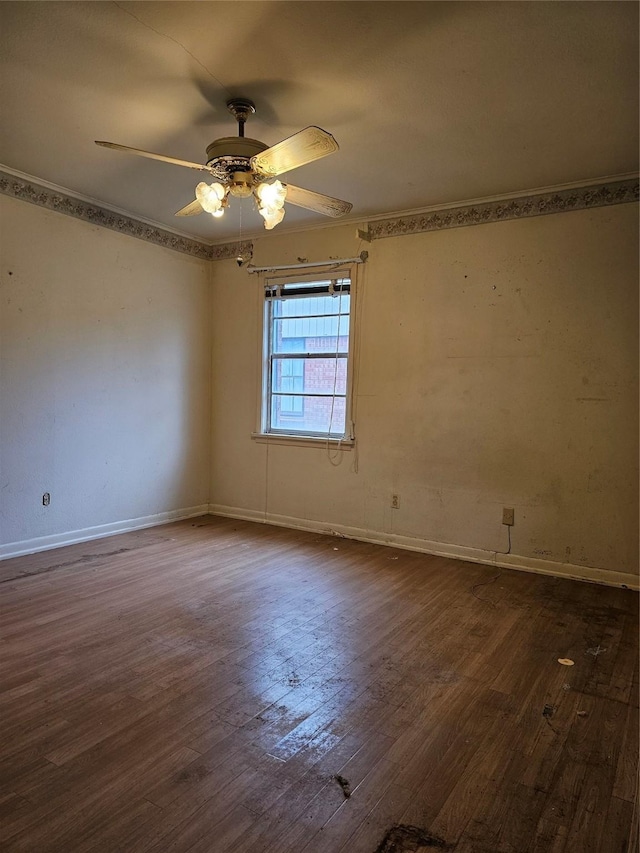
pixel 485 583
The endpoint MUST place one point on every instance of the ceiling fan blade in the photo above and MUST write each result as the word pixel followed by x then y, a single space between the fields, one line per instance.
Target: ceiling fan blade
pixel 153 156
pixel 317 202
pixel 191 209
pixel 303 147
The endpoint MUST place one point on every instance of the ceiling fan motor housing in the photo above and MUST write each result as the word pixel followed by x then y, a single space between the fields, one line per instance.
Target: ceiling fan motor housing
pixel 232 154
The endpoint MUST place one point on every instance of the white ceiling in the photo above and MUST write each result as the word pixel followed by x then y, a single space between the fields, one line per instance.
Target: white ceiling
pixel 430 102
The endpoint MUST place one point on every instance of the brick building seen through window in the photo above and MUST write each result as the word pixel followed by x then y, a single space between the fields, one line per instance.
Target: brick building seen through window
pixel 308 349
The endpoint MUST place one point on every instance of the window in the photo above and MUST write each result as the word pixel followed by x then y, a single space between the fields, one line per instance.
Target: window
pixel 306 375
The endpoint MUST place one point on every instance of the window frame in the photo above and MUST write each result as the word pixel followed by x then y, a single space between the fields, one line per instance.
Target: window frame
pixel 306 280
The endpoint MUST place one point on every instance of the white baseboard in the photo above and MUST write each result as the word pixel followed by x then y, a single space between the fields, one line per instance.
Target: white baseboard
pixel 439 549
pixel 59 540
pixel 426 546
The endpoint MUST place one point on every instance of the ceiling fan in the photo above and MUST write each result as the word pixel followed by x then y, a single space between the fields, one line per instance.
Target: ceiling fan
pixel 245 167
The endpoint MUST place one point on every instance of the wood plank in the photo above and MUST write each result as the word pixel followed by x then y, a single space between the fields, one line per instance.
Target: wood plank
pixel 205 682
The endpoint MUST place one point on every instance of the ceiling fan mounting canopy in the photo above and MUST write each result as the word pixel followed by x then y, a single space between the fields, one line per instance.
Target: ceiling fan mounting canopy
pixel 241 109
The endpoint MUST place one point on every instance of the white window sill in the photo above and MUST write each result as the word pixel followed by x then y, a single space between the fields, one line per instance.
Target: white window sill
pixel 303 440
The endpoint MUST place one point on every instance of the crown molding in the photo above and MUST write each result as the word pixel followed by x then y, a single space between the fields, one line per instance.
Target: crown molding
pixel 362 220
pixel 562 199
pixel 25 188
pixel 498 210
pixel 63 191
pixel 229 251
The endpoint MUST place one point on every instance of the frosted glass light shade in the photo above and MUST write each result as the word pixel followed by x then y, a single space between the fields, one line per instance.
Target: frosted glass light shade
pixel 271 217
pixel 272 195
pixel 210 196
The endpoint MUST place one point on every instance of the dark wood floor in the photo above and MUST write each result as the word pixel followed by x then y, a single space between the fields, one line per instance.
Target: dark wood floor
pixel 215 685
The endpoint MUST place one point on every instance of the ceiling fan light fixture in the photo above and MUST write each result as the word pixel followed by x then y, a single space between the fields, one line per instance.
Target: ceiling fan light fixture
pixel 271 195
pixel 241 184
pixel 210 196
pixel 224 204
pixel 272 217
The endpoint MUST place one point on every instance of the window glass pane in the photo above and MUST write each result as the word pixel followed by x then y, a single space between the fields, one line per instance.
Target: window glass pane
pixel 307 306
pixel 288 376
pixel 292 406
pixel 309 375
pixel 291 345
pixel 314 414
pixel 311 334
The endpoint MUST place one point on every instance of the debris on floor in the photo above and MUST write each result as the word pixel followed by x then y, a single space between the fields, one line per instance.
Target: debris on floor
pixel 595 651
pixel 345 785
pixel 411 839
pixel 566 661
pixel 547 712
pixel 582 713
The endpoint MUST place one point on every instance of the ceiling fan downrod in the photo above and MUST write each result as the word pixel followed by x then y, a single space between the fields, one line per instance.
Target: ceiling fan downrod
pixel 241 109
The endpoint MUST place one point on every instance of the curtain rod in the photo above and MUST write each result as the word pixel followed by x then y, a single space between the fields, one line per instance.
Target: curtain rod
pixel 362 257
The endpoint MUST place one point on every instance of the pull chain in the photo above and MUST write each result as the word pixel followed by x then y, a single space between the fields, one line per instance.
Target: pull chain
pixel 240 257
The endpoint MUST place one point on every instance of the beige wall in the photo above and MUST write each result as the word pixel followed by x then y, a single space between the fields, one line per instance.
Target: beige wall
pixel 105 377
pixel 498 367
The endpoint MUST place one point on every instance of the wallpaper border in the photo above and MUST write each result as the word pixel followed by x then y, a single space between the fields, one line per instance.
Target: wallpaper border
pixel 527 205
pixel 534 204
pixel 42 196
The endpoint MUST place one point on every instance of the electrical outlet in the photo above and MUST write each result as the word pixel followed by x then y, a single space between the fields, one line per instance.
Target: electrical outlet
pixel 508 515
pixel 395 501
pixel 46 499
